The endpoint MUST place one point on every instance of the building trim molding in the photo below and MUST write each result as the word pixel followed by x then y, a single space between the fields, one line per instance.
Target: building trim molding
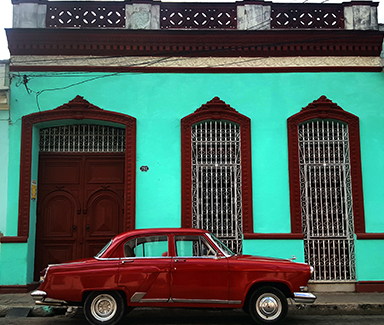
pixel 370 286
pixel 273 236
pixel 195 70
pixel 194 43
pixel 152 64
pixel 18 288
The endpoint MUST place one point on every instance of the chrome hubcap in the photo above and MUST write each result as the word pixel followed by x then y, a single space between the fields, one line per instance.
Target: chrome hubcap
pixel 268 306
pixel 103 307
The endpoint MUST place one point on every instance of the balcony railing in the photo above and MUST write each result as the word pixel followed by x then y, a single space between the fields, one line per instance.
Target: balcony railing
pixel 198 16
pixel 186 15
pixel 85 15
pixel 308 16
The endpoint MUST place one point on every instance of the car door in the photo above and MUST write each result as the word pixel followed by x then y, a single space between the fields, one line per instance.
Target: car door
pixel 145 269
pixel 198 274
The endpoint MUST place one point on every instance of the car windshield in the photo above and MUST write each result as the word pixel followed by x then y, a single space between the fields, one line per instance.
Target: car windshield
pixel 103 249
pixel 226 251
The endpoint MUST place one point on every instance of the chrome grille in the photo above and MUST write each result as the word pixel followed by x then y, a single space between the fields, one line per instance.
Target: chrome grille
pixel 82 138
pixel 216 181
pixel 326 199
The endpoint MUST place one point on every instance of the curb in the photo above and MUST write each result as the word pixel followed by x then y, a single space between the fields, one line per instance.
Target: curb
pixel 293 309
pixel 36 311
pixel 338 309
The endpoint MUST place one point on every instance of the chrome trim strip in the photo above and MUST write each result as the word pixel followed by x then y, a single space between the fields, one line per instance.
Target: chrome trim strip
pixel 207 301
pixel 137 296
pixel 128 258
pixel 154 300
pixel 304 297
pixel 107 258
pixel 195 257
pixel 69 263
pixel 216 246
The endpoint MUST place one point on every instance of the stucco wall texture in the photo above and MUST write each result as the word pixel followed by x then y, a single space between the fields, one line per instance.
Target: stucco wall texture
pixel 159 101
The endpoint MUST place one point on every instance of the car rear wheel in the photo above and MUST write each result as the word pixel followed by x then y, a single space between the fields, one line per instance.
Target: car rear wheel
pixel 105 308
pixel 268 305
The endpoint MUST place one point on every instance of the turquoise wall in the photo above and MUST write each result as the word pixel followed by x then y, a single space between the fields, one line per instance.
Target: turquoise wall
pixel 159 101
pixel 4 133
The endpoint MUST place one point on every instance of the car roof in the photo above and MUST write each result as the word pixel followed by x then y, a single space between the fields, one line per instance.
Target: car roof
pixel 154 231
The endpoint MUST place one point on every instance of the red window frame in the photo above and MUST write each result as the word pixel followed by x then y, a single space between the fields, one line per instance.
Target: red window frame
pixel 216 109
pixel 323 108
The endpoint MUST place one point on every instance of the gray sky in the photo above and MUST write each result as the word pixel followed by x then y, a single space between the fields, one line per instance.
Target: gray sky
pixel 6 18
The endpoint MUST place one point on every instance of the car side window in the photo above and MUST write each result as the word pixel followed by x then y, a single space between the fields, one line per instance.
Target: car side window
pixel 193 246
pixel 151 246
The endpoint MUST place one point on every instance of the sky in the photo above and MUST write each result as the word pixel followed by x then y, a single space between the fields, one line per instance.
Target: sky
pixel 6 18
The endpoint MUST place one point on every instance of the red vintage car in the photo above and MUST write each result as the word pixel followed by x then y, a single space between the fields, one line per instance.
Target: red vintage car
pixel 174 268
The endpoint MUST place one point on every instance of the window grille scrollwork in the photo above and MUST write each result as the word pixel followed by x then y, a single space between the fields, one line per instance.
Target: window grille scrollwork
pixel 216 181
pixel 82 138
pixel 326 199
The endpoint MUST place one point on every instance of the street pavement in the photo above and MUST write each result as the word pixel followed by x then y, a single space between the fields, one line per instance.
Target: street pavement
pixel 325 304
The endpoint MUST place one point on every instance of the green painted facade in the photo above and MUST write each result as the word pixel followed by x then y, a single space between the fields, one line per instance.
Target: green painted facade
pixel 158 102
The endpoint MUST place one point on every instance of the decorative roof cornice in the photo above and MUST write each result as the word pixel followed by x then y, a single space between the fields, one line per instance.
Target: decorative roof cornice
pixel 194 43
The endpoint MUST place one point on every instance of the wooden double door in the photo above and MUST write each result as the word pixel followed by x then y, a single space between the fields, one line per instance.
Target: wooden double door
pixel 80 205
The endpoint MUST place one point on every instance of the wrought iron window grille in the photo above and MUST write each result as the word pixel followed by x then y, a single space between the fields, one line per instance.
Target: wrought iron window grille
pixel 326 199
pixel 82 138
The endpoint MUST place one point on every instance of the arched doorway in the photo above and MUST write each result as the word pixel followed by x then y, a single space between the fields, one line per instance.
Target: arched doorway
pixel 81 191
pixel 77 111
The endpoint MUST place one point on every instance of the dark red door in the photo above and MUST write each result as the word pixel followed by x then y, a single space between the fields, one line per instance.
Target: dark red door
pixel 80 205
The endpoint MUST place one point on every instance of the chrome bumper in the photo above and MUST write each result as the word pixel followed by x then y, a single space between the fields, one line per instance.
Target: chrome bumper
pixel 304 297
pixel 40 298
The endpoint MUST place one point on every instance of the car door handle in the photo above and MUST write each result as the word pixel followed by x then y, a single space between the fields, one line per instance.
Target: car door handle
pixel 126 261
pixel 177 260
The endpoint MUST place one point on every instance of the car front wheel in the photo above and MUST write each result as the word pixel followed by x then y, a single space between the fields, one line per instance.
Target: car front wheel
pixel 105 308
pixel 268 305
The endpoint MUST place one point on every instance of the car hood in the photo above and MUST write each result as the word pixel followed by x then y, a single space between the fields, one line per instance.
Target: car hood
pixel 263 259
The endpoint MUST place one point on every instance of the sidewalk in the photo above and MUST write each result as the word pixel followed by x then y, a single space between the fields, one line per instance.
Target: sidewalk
pixel 326 304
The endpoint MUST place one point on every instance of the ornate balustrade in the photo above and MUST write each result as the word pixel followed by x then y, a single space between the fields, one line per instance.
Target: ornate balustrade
pixel 311 15
pixel 198 15
pixel 249 15
pixel 85 15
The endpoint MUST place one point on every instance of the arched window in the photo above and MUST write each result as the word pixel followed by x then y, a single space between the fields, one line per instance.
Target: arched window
pixel 216 172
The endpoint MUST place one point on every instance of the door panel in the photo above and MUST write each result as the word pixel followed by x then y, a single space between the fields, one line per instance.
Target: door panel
pixel 62 206
pixel 103 219
pixel 146 275
pixel 63 171
pixel 204 278
pixel 57 253
pixel 103 170
pixel 197 274
pixel 145 269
